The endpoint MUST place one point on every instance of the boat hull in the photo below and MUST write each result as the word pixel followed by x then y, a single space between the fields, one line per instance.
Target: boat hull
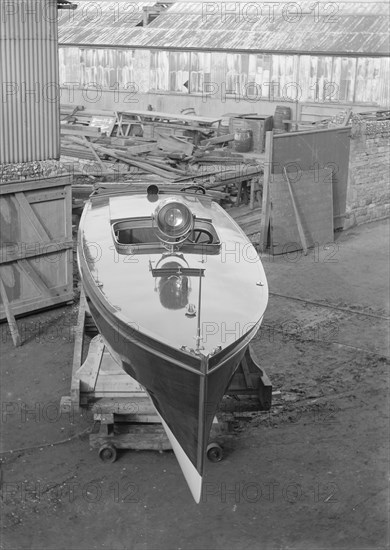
pixel 186 396
pixel 184 361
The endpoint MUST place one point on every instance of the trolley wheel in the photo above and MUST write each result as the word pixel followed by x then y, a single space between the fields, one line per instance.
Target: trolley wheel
pixel 107 453
pixel 214 452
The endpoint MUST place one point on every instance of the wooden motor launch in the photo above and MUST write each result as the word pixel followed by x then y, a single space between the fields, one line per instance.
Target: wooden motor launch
pixel 177 291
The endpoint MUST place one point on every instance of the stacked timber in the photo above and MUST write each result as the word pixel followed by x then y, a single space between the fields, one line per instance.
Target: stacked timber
pixel 141 147
pixel 176 152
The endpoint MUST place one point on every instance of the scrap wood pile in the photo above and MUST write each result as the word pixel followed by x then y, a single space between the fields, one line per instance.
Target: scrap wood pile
pixel 171 148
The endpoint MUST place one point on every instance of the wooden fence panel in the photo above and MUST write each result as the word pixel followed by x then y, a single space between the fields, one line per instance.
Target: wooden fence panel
pixel 313 198
pixel 316 150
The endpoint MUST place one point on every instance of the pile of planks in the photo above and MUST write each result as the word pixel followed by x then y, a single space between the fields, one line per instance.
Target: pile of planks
pixel 108 143
pixel 106 155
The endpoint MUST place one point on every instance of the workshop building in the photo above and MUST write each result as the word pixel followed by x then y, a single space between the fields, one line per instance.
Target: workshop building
pixel 221 57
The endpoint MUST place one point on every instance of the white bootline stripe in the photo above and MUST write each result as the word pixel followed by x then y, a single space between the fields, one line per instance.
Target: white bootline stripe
pixel 191 474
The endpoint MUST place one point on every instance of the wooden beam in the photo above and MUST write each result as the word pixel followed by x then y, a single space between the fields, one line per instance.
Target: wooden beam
pixel 78 352
pixel 297 216
pixel 142 148
pixel 18 251
pixel 24 205
pixel 89 371
pixel 10 316
pixel 72 129
pixel 143 165
pixel 302 132
pixel 25 267
pixel 219 139
pixel 94 153
pixel 347 117
pixel 266 205
pixel 34 184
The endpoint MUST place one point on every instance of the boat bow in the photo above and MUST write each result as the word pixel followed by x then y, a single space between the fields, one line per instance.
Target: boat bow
pixel 173 286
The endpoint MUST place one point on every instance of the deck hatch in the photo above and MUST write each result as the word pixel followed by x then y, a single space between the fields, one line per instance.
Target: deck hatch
pixel 138 236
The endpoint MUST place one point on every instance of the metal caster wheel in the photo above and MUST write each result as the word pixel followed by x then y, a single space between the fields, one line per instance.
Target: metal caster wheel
pixel 214 452
pixel 107 453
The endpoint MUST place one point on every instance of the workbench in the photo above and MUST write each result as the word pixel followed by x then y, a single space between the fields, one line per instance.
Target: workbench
pixel 199 126
pixel 159 116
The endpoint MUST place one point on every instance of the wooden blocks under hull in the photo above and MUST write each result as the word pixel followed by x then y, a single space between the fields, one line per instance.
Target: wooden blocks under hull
pixel 124 415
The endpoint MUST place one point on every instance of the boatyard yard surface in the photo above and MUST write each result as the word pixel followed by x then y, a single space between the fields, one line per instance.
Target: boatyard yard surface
pixel 312 473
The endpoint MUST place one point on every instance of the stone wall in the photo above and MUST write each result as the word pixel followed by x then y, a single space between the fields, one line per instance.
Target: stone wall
pixel 368 196
pixel 38 169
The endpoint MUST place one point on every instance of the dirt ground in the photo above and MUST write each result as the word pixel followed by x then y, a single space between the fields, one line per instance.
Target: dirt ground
pixel 310 474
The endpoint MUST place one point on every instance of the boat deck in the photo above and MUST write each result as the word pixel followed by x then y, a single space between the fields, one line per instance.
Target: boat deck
pixel 135 295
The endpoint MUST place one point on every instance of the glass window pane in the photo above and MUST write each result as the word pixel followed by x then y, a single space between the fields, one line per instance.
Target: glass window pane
pixel 159 72
pixel 179 72
pixel 347 78
pixel 70 64
pixel 200 71
pixel 283 75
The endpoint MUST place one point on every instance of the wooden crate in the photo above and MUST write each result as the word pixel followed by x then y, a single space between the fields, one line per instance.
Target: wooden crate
pixel 259 124
pixel 36 247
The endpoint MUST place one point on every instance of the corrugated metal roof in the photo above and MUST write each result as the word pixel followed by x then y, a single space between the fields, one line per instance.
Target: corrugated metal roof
pixel 103 22
pixel 356 28
pixel 242 9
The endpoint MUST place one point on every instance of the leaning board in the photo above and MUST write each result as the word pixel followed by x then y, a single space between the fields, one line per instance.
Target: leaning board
pixel 313 149
pixel 36 246
pixel 313 196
